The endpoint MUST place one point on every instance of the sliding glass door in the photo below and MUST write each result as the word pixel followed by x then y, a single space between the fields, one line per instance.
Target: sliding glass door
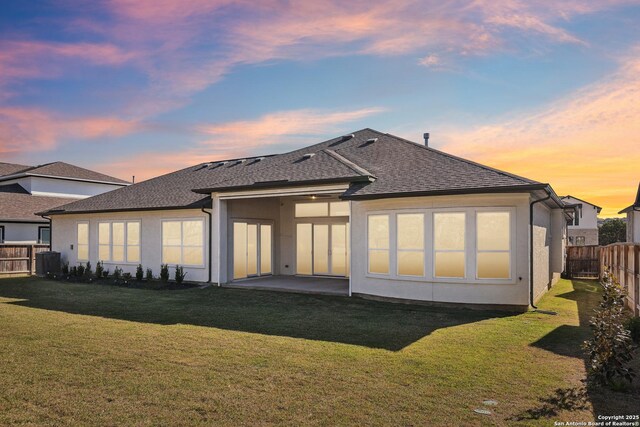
pixel 252 249
pixel 322 249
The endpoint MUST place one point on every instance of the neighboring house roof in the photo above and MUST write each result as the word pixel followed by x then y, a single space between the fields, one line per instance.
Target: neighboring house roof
pixel 636 204
pixel 580 200
pixel 19 206
pixel 377 165
pixel 60 170
pixel 11 168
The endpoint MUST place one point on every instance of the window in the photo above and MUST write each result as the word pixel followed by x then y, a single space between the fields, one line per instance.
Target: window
pixel 410 249
pixel 183 242
pixel 119 241
pixel 493 257
pixel 379 244
pixel 44 235
pixel 83 241
pixel 579 240
pixel 1 233
pixel 321 209
pixel 449 244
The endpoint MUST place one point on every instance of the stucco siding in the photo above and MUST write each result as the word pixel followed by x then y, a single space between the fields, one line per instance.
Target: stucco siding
pixel 64 238
pixel 542 276
pixel 513 293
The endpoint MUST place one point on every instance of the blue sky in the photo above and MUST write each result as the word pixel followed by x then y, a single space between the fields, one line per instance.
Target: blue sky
pixel 146 87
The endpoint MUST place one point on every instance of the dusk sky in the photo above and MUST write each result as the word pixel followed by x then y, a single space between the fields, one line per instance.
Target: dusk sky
pixel 548 89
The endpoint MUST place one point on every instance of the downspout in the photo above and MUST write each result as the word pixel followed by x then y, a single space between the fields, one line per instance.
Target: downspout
pixel 210 244
pixel 531 296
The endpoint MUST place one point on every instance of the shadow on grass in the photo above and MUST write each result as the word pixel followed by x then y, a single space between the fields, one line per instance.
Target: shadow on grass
pixel 563 399
pixel 325 318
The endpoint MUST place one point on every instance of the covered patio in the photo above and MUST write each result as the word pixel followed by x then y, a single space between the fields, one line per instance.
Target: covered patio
pixel 298 284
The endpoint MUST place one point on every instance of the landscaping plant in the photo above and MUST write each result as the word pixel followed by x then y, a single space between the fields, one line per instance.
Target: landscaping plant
pixel 149 274
pixel 117 273
pixel 139 273
pixel 99 269
pixel 80 270
pixel 610 349
pixel 164 272
pixel 65 268
pixel 180 274
pixel 88 272
pixel 634 328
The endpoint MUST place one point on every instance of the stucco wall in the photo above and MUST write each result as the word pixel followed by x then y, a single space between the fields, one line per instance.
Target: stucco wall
pixel 590 236
pixel 588 214
pixel 514 293
pixel 633 227
pixel 64 232
pixel 542 275
pixel 22 233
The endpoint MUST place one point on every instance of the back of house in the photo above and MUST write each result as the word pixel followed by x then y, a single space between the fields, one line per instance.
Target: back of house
pixel 387 217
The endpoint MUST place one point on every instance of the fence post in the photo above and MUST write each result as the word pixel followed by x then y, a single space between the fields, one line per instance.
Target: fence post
pixel 31 259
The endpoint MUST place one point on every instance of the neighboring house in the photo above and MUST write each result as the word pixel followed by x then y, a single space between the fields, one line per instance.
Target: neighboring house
pixel 398 219
pixel 25 190
pixel 583 229
pixel 633 220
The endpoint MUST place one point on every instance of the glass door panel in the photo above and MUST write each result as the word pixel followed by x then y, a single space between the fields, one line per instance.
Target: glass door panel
pixel 239 250
pixel 252 250
pixel 265 249
pixel 339 249
pixel 320 249
pixel 303 249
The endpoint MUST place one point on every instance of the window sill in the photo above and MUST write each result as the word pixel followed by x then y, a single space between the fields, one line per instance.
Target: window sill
pixel 442 281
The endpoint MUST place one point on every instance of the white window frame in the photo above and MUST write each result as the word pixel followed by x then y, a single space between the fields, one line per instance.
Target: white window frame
pixel 182 246
pixel 329 204
pixel 1 233
pixel 125 223
pixel 88 244
pixel 512 230
pixel 464 251
pixel 40 240
pixel 429 265
pixel 398 250
pixel 387 250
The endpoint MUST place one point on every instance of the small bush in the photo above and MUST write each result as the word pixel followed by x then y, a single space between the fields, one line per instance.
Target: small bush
pixel 139 273
pixel 99 269
pixel 65 268
pixel 180 274
pixel 80 270
pixel 127 277
pixel 610 349
pixel 88 272
pixel 105 274
pixel 149 274
pixel 73 271
pixel 164 272
pixel 117 273
pixel 634 329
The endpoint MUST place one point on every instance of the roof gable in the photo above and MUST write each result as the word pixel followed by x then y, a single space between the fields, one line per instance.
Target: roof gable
pixel 11 168
pixel 66 170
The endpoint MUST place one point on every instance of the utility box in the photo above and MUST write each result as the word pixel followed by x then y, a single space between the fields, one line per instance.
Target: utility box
pixel 47 262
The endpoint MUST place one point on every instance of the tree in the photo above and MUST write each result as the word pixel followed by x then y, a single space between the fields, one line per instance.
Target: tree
pixel 612 230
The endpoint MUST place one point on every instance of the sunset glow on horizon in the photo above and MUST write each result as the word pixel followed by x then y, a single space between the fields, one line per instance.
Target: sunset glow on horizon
pixel 546 90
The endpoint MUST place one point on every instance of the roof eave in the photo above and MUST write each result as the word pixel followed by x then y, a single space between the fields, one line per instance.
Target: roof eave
pixel 206 204
pixel 284 183
pixel 65 178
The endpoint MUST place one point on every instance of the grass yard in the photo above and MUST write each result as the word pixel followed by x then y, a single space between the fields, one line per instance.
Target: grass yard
pixel 82 354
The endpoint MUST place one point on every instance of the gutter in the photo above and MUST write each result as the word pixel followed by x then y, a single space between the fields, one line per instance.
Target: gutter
pixel 210 244
pixel 531 205
pixel 50 231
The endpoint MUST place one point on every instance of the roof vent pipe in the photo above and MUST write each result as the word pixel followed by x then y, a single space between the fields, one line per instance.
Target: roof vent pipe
pixel 426 139
pixel 308 155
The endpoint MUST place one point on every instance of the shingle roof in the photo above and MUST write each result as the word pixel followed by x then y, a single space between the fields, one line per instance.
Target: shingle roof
pixel 11 168
pixel 583 201
pixel 376 164
pixel 16 205
pixel 64 170
pixel 636 204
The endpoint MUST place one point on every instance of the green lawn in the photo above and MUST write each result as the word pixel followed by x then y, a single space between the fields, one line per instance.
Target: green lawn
pixel 84 354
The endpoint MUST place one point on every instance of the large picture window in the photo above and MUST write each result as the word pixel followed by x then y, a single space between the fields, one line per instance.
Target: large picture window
pixel 83 241
pixel 119 241
pixel 493 259
pixel 449 244
pixel 378 244
pixel 410 244
pixel 183 242
pixel 321 209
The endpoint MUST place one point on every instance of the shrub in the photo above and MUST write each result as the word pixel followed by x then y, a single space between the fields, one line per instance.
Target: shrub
pixel 87 270
pixel 127 277
pixel 634 329
pixel 80 270
pixel 164 272
pixel 149 274
pixel 117 273
pixel 180 274
pixel 610 349
pixel 73 271
pixel 65 268
pixel 139 273
pixel 105 274
pixel 99 269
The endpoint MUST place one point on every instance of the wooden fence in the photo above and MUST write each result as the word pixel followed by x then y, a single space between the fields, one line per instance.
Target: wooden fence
pixel 19 259
pixel 623 260
pixel 583 261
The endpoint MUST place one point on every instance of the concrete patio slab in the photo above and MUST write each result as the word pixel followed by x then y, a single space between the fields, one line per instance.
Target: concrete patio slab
pixel 308 285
